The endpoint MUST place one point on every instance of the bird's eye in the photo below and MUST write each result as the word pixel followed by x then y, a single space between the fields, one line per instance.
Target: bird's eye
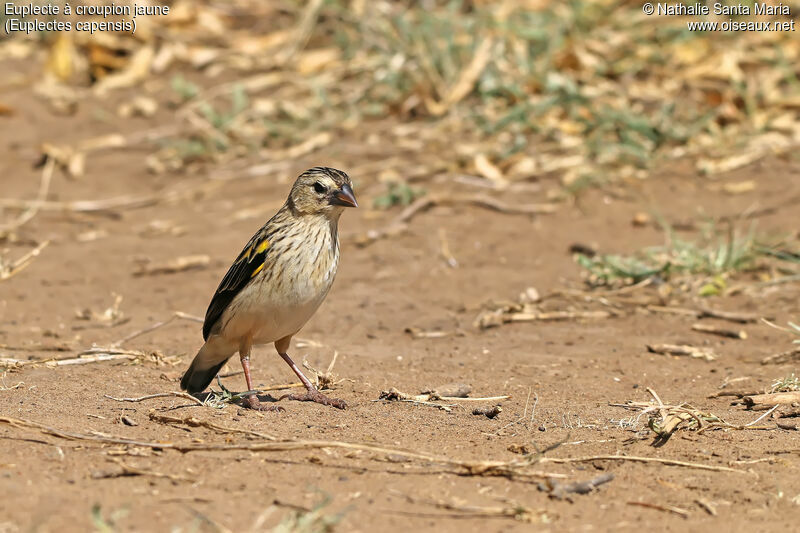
pixel 320 188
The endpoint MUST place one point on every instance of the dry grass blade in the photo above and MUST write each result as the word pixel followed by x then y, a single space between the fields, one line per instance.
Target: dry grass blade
pixel 513 510
pixel 400 223
pixel 722 332
pixel 524 313
pixel 660 460
pixel 93 355
pixel 179 264
pixel 783 357
pixel 666 508
pixel 430 398
pixel 740 318
pixel 8 270
pixel 466 81
pixel 176 315
pixel 33 209
pixel 394 395
pixel 130 470
pixel 671 417
pixel 682 349
pixel 184 395
pixel 112 205
pixel 778 398
pixel 195 422
pixel 490 468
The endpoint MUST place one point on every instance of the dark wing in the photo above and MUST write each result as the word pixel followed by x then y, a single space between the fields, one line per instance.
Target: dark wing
pixel 247 265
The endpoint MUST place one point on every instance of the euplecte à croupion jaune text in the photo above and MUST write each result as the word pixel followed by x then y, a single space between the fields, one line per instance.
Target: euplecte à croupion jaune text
pixel 18 16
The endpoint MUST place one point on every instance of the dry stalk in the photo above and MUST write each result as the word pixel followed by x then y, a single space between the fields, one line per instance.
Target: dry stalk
pixel 672 462
pixel 195 422
pixel 8 270
pixel 670 418
pixel 722 332
pixel 111 205
pixel 325 380
pixel 518 468
pixel 400 223
pixel 783 357
pixel 176 315
pixel 27 215
pixel 682 349
pixel 666 508
pixel 739 318
pixel 528 312
pixel 173 394
pixel 130 470
pixel 430 398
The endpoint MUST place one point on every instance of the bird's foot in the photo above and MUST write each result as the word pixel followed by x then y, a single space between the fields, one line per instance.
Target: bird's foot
pixel 313 395
pixel 252 402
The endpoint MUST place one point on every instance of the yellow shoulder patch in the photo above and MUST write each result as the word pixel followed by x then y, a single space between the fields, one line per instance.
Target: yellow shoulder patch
pixel 262 246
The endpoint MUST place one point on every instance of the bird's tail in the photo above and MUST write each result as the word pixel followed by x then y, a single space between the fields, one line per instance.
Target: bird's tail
pixel 211 357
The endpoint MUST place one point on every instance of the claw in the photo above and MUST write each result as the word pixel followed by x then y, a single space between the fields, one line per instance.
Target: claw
pixel 252 402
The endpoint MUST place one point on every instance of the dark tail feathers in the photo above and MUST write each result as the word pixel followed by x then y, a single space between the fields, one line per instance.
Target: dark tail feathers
pixel 196 380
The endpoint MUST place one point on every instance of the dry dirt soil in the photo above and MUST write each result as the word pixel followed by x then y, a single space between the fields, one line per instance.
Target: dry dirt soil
pixel 561 377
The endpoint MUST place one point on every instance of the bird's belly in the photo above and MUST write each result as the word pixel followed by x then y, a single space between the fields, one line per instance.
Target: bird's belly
pixel 267 317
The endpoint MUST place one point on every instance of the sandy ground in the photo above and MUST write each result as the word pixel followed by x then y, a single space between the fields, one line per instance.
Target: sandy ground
pixel 561 376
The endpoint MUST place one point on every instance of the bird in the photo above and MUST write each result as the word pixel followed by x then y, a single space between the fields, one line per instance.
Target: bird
pixel 276 284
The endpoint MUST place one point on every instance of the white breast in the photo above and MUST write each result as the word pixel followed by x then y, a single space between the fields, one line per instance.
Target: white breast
pixel 271 308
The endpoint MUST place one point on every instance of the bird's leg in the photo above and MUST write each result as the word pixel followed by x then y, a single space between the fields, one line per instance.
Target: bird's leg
pixel 251 400
pixel 311 394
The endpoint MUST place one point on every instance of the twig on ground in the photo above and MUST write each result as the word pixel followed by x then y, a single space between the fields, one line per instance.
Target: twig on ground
pixel 179 264
pixel 722 332
pixel 516 468
pixel 666 508
pixel 184 395
pixel 176 314
pixel 92 355
pixel 8 270
pixel 195 422
pixel 682 349
pixel 672 462
pixel 777 398
pixel 33 208
pixel 513 510
pixel 783 357
pixel 430 397
pixel 524 313
pixel 130 470
pixel 112 205
pixel 740 318
pixel 400 223
pixel 394 395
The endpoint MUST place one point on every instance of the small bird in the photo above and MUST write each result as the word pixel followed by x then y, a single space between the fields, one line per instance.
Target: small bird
pixel 276 283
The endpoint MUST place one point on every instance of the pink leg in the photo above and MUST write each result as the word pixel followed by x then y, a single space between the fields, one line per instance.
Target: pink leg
pixel 251 401
pixel 311 394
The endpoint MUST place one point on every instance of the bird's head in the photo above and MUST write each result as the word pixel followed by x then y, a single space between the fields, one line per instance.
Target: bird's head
pixel 322 190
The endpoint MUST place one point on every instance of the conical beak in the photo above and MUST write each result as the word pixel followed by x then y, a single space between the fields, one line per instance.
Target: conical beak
pixel 344 197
